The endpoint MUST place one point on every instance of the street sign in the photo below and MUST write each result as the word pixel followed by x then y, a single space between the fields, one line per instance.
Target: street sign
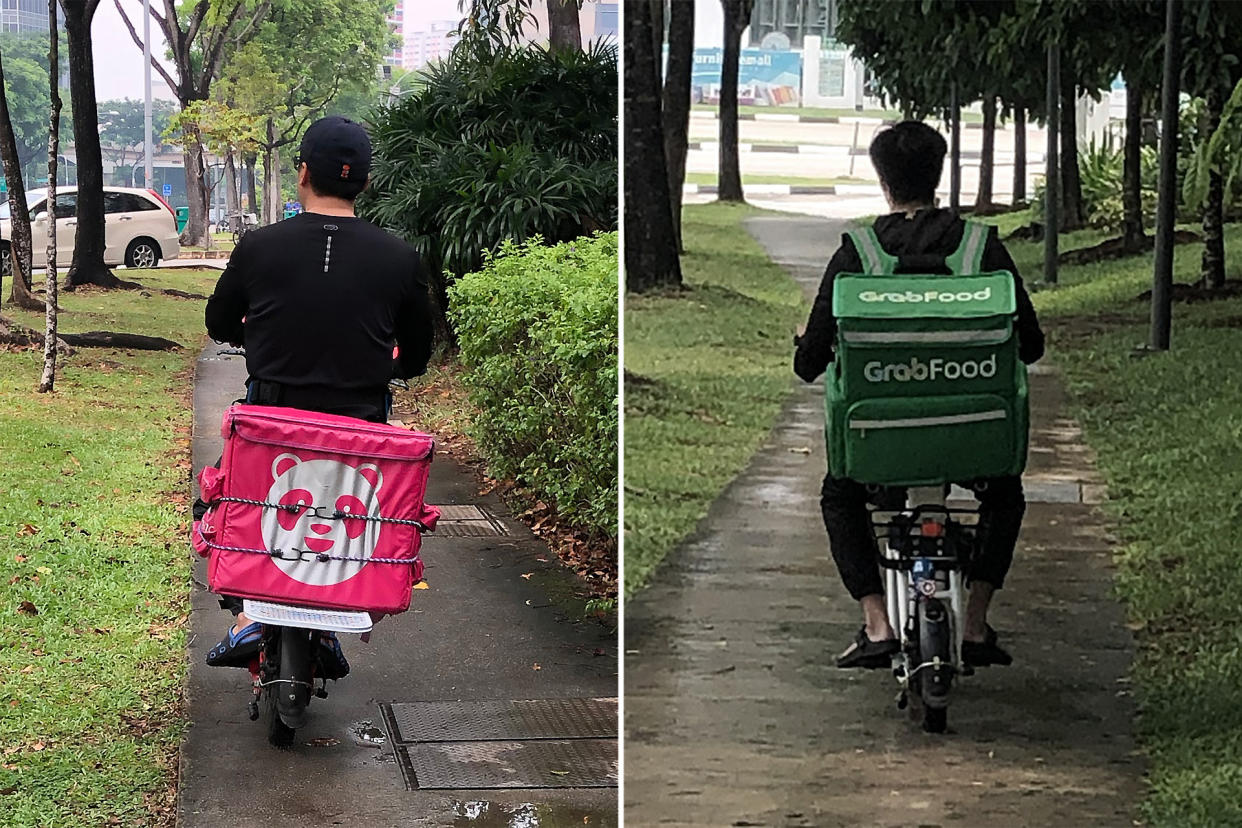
pixel 167 190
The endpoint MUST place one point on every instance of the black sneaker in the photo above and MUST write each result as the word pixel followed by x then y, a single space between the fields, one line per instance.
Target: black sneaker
pixel 867 654
pixel 985 653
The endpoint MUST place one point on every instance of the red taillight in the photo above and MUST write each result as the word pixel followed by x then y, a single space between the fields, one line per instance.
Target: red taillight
pixel 932 529
pixel 161 200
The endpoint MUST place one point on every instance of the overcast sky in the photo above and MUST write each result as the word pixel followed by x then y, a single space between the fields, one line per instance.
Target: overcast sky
pixel 118 61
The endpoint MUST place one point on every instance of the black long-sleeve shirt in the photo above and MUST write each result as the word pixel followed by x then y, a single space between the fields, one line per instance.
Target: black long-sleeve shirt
pixel 324 299
pixel 930 231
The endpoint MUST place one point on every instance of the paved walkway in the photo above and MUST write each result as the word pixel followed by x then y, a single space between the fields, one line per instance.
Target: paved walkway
pixel 736 716
pixel 477 633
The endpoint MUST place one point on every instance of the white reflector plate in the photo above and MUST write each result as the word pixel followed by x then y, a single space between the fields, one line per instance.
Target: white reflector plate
pixel 284 615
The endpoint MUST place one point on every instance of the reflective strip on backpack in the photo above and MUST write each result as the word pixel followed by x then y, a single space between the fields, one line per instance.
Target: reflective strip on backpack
pixel 920 422
pixel 898 337
pixel 875 261
pixel 967 260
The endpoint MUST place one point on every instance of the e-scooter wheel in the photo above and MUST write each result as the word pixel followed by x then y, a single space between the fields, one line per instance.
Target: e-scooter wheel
pixel 278 733
pixel 935 663
pixel 294 690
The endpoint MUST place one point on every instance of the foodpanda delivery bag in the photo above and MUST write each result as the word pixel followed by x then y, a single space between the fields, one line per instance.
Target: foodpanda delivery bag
pixel 316 510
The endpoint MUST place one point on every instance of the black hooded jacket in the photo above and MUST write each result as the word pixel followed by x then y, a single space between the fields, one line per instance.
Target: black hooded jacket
pixel 929 231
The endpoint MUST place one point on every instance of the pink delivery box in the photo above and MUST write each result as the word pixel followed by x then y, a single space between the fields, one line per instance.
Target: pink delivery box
pixel 316 510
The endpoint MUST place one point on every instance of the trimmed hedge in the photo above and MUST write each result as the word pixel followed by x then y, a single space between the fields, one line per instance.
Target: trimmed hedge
pixel 538 333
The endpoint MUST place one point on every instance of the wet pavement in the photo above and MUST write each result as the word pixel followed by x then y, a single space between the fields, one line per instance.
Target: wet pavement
pixel 480 631
pixel 736 716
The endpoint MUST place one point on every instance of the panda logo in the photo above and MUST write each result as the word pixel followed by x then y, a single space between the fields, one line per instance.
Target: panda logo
pixel 311 491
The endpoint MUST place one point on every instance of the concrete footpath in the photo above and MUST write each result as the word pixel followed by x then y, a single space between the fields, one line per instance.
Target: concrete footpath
pixel 481 631
pixel 735 714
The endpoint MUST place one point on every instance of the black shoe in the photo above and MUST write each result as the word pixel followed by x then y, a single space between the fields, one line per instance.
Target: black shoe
pixel 985 653
pixel 332 662
pixel 868 654
pixel 236 650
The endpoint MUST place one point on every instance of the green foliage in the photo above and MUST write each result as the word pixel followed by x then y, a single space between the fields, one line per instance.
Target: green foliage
pixel 707 370
pixel 523 144
pixel 1101 168
pixel 538 333
pixel 26 87
pixel 1221 151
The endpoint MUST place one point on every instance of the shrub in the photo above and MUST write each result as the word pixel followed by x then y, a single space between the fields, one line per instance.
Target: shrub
pixel 537 328
pixel 502 142
pixel 1101 168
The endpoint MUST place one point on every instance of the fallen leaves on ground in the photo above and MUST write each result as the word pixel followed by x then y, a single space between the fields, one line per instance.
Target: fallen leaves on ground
pixel 27 608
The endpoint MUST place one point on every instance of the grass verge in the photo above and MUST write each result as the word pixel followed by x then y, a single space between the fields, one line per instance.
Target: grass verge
pixel 706 372
pixel 96 571
pixel 1167 429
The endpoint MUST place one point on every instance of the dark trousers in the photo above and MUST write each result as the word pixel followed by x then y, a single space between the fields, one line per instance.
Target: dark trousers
pixel 854 548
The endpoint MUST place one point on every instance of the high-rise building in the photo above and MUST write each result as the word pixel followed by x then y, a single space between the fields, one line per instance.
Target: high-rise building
pixel 396 24
pixel 427 45
pixel 25 16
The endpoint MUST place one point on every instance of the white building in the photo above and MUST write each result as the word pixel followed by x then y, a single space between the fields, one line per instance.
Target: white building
pixel 428 44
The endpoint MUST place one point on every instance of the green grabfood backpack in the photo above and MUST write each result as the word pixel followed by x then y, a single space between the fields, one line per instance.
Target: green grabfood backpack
pixel 926 386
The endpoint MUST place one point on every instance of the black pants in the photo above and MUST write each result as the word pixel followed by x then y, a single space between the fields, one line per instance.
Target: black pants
pixel 854 548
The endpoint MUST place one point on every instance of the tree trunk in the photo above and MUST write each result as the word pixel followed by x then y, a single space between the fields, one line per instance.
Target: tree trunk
pixel 1019 155
pixel 48 381
pixel 251 195
pixel 87 267
pixel 271 176
pixel 729 175
pixel 564 29
pixel 955 152
pixel 232 197
pixel 676 114
pixel 195 232
pixel 651 261
pixel 1073 214
pixel 1132 240
pixel 1213 265
pixel 983 198
pixel 20 250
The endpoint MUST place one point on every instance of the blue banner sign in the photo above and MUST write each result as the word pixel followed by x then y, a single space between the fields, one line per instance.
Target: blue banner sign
pixel 765 78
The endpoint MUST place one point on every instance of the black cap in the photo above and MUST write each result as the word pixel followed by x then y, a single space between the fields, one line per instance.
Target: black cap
pixel 336 147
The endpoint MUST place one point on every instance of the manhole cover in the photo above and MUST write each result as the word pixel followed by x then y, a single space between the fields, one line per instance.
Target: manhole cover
pixel 505 720
pixel 466 521
pixel 530 743
pixel 567 763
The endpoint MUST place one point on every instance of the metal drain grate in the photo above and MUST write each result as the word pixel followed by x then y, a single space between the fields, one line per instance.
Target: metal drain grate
pixel 467 521
pixel 530 743
pixel 505 720
pixel 570 763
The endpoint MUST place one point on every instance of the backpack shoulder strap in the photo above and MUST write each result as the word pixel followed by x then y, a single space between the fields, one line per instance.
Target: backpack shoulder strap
pixel 967 260
pixel 875 261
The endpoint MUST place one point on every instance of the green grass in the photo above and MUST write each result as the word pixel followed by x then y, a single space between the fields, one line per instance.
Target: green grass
pixel 93 519
pixel 1167 429
pixel 706 373
pixel 759 178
